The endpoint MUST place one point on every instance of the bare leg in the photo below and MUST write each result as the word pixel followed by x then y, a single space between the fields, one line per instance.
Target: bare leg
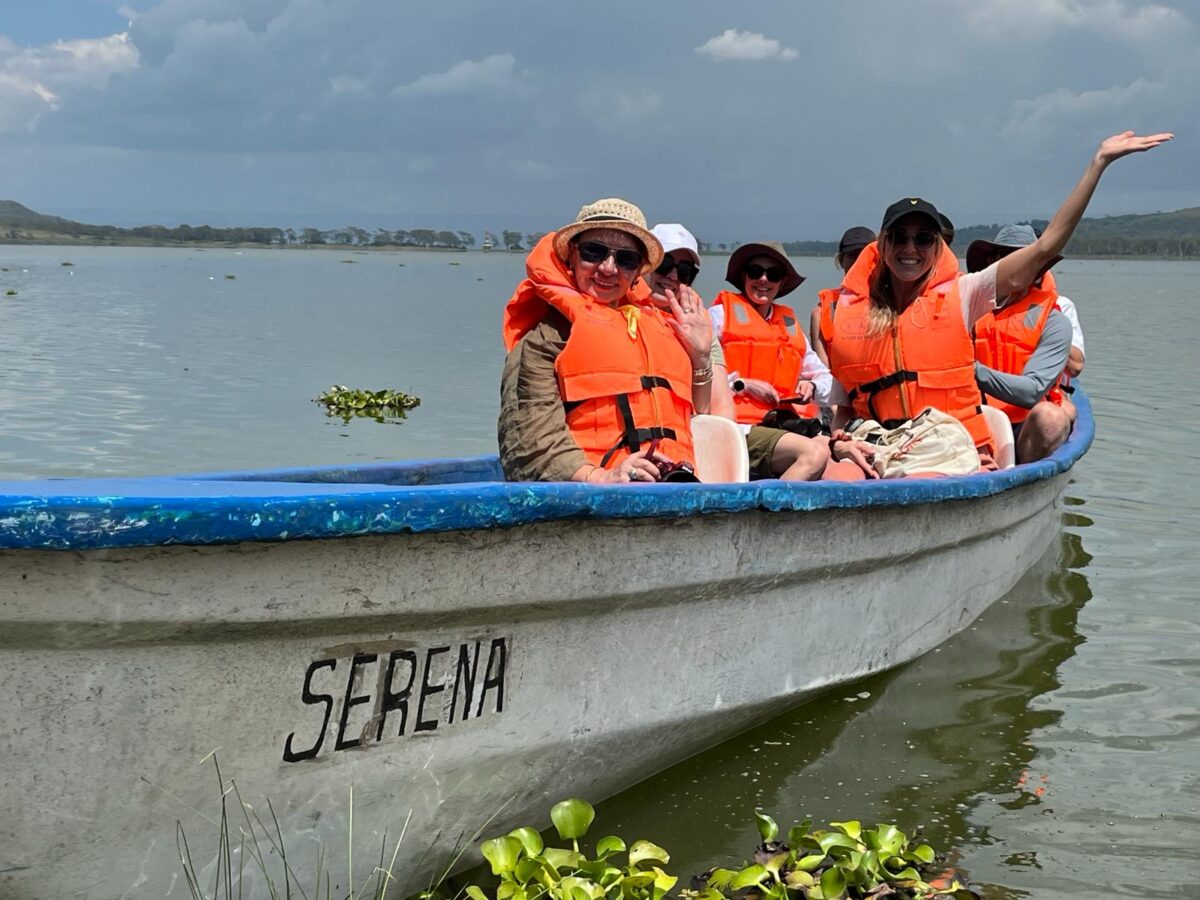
pixel 1044 431
pixel 1069 408
pixel 843 471
pixel 799 458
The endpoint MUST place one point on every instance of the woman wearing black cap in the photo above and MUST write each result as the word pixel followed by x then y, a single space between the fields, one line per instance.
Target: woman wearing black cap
pixel 899 334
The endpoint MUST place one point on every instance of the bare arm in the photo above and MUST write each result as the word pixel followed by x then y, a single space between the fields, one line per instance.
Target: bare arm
pixel 1075 362
pixel 722 396
pixel 1016 271
pixel 814 335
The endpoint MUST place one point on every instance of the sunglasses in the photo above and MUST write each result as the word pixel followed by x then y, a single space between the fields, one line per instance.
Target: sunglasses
pixel 920 239
pixel 597 252
pixel 684 268
pixel 774 273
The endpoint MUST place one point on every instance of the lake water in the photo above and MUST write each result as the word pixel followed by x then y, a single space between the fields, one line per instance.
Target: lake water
pixel 1084 681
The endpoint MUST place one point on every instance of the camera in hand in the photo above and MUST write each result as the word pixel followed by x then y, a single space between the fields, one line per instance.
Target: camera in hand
pixel 674 471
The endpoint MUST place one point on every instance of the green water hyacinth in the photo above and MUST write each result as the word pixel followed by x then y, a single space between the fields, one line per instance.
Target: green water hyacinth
pixel 382 406
pixel 529 870
pixel 846 862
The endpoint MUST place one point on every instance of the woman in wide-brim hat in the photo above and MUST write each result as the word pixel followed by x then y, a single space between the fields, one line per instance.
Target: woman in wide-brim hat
pixel 899 336
pixel 599 385
pixel 776 378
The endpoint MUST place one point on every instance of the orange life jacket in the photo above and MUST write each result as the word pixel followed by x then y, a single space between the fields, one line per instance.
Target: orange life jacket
pixel 926 358
pixel 1004 342
pixel 770 350
pixel 623 376
pixel 825 301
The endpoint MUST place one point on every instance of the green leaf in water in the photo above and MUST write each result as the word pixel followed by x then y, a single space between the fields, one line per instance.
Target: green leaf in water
pixel 502 853
pixel 607 846
pixel 572 818
pixel 853 828
pixel 530 839
pixel 644 851
pixel 833 884
pixel 748 876
pixel 767 826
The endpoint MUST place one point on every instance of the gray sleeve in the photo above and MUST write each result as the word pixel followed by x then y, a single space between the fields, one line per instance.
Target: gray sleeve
pixel 1044 366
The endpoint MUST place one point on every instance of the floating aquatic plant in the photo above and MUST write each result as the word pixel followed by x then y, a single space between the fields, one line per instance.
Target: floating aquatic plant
pixel 848 861
pixel 529 870
pixel 382 406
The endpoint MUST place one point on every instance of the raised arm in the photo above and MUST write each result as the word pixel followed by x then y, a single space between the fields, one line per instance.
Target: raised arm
pixel 1016 271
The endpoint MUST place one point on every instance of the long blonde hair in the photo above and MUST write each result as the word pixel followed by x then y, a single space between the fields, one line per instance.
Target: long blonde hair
pixel 884 311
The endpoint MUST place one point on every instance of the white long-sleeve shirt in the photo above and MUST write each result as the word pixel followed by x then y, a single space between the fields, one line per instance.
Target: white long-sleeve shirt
pixel 811 368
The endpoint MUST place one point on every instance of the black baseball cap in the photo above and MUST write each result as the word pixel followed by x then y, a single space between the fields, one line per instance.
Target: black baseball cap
pixel 913 205
pixel 947 229
pixel 855 239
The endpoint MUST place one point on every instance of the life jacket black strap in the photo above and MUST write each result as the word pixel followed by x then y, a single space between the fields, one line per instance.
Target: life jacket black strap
pixel 633 437
pixel 882 384
pixel 871 388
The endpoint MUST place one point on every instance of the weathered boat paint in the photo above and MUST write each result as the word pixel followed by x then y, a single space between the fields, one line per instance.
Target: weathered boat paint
pixel 448 646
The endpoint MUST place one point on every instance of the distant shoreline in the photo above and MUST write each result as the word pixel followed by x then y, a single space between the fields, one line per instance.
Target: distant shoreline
pixel 69 241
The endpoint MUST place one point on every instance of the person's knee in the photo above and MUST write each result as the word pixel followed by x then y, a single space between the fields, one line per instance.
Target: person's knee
pixel 1045 430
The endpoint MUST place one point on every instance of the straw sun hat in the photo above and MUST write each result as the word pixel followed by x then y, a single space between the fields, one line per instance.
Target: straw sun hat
pixel 613 214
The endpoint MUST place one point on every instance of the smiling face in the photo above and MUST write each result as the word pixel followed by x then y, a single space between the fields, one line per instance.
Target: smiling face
pixel 604 280
pixel 659 283
pixel 910 247
pixel 761 291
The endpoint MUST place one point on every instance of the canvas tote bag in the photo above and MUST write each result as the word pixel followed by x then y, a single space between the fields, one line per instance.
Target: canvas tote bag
pixel 930 443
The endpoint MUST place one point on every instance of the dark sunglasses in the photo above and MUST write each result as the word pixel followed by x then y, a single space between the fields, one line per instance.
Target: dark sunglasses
pixel 774 273
pixel 920 239
pixel 684 268
pixel 596 252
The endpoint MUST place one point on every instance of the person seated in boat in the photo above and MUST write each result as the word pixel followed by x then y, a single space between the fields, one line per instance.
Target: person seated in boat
pixel 676 273
pixel 899 334
pixel 598 385
pixel 1021 351
pixel 854 241
pixel 777 381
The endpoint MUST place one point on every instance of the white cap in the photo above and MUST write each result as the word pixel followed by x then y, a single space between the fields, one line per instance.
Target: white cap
pixel 673 236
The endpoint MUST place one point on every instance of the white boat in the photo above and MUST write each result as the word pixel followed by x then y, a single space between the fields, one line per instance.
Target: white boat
pixel 441 641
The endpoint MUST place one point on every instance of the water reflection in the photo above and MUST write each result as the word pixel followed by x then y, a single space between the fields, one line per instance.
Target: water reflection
pixel 925 746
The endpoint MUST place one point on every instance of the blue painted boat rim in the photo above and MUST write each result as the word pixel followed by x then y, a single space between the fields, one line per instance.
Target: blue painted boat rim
pixel 428 496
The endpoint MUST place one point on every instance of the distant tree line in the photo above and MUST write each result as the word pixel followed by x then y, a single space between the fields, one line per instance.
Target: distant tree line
pixel 350 235
pixel 1118 236
pixel 1169 235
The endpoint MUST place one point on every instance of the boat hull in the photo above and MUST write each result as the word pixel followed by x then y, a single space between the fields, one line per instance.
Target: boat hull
pixel 451 676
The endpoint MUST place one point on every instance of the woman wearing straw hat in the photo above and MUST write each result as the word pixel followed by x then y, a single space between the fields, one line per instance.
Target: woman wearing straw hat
pixel 599 385
pixel 899 335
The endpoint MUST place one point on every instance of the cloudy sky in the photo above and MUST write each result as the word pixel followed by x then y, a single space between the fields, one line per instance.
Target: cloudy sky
pixel 775 119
